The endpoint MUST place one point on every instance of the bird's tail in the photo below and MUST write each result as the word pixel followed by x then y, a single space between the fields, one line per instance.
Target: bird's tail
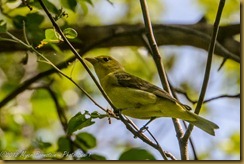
pixel 203 124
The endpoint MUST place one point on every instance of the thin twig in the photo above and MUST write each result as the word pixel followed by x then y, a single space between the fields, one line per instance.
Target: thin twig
pixel 153 46
pixel 24 33
pixel 208 66
pixel 157 59
pixel 168 154
pixel 184 123
pixel 191 143
pixel 140 135
pixel 208 100
pixel 222 63
pixel 185 94
pixel 222 96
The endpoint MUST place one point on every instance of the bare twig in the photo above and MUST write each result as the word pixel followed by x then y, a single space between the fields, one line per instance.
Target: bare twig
pixel 207 100
pixel 191 143
pixel 157 59
pixel 168 154
pixel 153 46
pixel 184 123
pixel 136 132
pixel 208 66
pixel 222 63
pixel 222 96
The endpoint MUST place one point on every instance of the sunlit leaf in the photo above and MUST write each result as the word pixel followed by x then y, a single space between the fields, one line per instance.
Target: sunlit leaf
pixel 70 33
pixel 51 36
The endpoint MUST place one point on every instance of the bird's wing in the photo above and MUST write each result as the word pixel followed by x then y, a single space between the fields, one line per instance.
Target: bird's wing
pixel 130 81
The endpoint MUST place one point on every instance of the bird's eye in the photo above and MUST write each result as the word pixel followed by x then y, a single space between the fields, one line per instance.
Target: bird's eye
pixel 106 59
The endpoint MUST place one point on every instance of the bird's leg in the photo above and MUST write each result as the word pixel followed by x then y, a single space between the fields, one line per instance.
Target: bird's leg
pixel 145 126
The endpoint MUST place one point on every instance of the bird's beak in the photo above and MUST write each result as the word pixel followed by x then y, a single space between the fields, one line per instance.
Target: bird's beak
pixel 91 60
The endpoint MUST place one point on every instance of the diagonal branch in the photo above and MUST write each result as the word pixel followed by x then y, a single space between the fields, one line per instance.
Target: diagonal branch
pixel 157 59
pixel 208 66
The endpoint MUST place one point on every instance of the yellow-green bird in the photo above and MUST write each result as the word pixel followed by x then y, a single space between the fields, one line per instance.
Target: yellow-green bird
pixel 140 99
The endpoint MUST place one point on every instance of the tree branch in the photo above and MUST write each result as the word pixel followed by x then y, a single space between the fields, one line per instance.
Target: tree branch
pixel 152 46
pixel 208 66
pixel 207 100
pixel 196 35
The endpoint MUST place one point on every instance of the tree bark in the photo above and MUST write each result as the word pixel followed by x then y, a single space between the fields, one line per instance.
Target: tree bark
pixel 196 35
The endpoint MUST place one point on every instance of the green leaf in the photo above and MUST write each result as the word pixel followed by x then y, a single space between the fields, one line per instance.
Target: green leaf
pixel 3 26
pixel 18 21
pixel 51 7
pixel 136 154
pixel 64 145
pixel 78 122
pixel 86 141
pixel 70 33
pixel 51 36
pixel 70 4
pixel 33 20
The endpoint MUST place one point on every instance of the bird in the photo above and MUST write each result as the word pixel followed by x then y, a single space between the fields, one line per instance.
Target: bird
pixel 140 99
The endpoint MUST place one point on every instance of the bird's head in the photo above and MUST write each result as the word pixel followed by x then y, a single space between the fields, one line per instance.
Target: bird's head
pixel 104 65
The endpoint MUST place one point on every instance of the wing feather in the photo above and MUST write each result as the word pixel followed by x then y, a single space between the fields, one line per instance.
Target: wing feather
pixel 131 81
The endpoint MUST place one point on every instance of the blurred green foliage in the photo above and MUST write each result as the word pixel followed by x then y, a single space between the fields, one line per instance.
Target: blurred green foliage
pixel 136 154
